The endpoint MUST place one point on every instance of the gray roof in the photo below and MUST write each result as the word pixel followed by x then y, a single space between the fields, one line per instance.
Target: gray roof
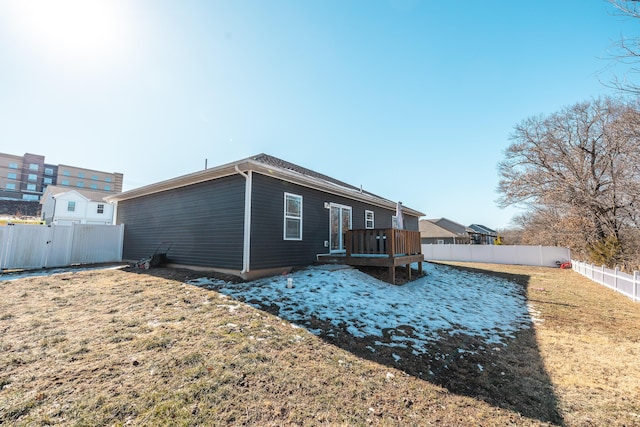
pixel 452 226
pixel 483 230
pixel 54 190
pixel 272 166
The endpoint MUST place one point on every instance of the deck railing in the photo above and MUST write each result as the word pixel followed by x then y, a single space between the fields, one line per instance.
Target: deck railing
pixel 389 242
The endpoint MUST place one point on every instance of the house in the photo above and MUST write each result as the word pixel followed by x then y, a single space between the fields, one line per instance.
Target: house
pixel 64 206
pixel 259 216
pixel 482 235
pixel 443 231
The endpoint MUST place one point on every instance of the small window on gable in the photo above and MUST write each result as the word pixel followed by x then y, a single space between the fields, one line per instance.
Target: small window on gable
pixel 292 217
pixel 71 206
pixel 100 208
pixel 368 219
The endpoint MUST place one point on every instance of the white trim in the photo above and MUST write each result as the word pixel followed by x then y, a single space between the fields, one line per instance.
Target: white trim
pixel 246 247
pixel 267 170
pixel 337 205
pixel 285 217
pixel 373 221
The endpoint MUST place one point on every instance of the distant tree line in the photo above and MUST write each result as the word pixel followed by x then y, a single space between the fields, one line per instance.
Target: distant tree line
pixel 577 172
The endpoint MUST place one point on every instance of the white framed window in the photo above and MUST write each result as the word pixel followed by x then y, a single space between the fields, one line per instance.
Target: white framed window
pixel 292 217
pixel 368 219
pixel 31 187
pixel 71 206
pixel 12 175
pixel 100 208
pixel 10 186
pixel 440 242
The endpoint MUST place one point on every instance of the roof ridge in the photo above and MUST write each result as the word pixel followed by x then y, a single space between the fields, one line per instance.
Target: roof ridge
pixel 270 160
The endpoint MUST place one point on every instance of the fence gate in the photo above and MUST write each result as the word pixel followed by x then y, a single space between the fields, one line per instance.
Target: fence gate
pixel 25 246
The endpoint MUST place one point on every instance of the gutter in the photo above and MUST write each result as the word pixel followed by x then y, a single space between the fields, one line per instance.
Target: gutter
pixel 246 247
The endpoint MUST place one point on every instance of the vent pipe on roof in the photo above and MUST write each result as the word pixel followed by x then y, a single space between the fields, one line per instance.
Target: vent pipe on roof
pixel 205 164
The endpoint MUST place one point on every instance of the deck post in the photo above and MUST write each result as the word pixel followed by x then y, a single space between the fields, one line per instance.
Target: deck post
pixel 392 274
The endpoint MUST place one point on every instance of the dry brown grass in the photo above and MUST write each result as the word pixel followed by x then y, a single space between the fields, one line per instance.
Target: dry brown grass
pixel 116 347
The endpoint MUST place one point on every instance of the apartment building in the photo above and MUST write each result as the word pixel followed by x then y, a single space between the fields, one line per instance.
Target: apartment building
pixel 26 177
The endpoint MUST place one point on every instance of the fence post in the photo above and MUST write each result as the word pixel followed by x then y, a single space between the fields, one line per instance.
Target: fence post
pixel 636 279
pixel 540 253
pixel 615 279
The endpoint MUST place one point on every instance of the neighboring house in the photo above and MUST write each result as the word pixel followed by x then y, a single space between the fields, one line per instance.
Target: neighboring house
pixel 253 217
pixel 482 235
pixel 63 206
pixel 443 231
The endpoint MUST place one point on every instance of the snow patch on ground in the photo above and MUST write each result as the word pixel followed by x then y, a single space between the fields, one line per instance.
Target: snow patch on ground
pixel 445 301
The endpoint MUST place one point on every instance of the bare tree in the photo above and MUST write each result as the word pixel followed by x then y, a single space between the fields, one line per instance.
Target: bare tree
pixel 628 48
pixel 577 169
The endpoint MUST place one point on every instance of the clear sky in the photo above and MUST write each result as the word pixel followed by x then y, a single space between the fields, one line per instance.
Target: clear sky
pixel 413 100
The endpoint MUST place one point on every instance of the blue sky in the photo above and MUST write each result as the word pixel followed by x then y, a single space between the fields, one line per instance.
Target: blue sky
pixel 413 100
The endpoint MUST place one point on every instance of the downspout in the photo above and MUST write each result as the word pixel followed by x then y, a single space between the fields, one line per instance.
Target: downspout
pixel 246 251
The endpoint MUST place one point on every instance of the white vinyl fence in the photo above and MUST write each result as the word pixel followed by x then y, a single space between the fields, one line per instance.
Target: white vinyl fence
pixel 626 284
pixel 24 246
pixel 546 256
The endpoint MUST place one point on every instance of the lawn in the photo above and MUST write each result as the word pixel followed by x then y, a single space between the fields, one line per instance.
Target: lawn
pixel 467 344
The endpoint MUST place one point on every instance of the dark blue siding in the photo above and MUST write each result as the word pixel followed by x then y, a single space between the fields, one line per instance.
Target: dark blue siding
pixel 204 221
pixel 268 247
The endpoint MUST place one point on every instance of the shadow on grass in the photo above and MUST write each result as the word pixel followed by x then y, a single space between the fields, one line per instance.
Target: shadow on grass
pixel 510 376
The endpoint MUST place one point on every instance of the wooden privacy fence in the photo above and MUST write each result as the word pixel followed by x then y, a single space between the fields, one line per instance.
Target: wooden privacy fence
pixel 37 246
pixel 626 284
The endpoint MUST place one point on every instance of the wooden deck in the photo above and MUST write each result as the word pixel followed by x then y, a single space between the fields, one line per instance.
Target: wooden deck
pixel 382 247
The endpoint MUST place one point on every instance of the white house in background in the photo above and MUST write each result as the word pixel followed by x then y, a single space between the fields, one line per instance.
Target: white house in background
pixel 63 206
